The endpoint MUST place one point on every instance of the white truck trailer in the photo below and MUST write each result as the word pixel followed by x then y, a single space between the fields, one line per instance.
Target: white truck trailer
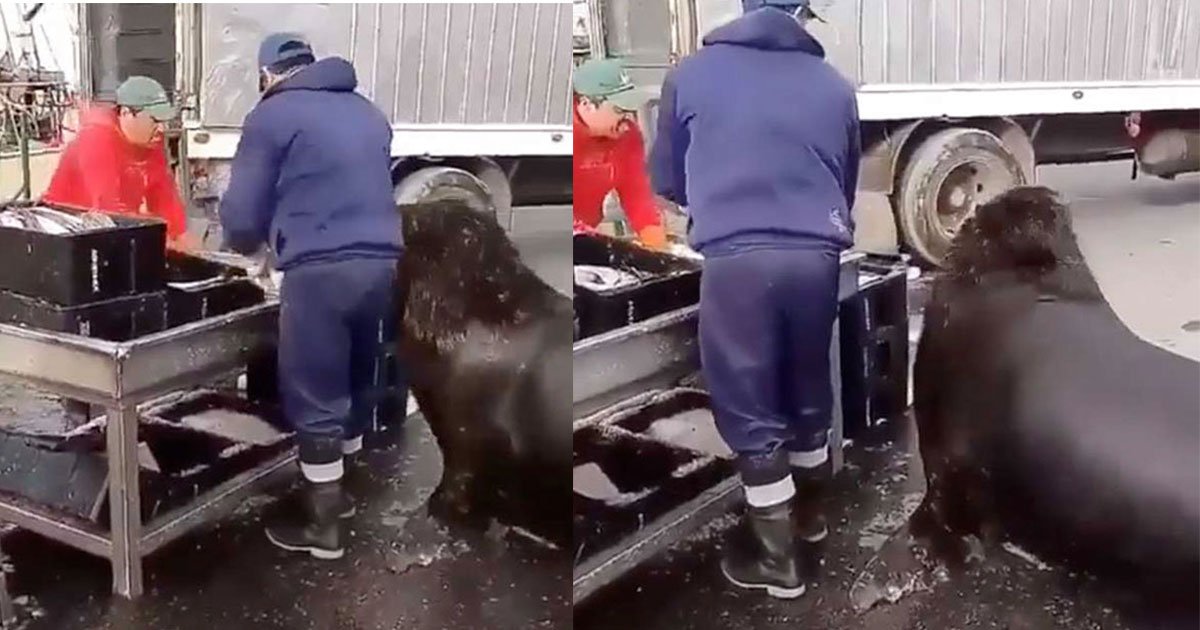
pixel 478 94
pixel 961 99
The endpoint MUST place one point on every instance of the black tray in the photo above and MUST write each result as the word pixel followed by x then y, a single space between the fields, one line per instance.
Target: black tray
pixel 673 283
pixel 185 305
pixel 119 319
pixel 76 269
pixel 71 477
pixel 635 463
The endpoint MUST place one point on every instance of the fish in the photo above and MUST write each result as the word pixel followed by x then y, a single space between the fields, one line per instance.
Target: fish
pixel 52 221
pixel 599 278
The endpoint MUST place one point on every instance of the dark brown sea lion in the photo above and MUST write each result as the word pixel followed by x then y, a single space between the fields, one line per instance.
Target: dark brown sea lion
pixel 487 345
pixel 1044 420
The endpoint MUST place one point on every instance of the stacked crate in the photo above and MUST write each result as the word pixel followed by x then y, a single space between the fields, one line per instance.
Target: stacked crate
pixel 873 327
pixel 104 283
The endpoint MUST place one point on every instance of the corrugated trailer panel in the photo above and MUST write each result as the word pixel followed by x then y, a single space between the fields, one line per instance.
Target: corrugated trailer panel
pixel 1012 41
pixel 426 63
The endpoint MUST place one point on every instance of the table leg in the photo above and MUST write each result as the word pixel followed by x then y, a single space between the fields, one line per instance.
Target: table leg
pixel 124 501
pixel 836 430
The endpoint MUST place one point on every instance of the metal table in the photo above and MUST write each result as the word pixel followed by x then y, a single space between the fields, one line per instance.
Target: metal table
pixel 119 377
pixel 617 369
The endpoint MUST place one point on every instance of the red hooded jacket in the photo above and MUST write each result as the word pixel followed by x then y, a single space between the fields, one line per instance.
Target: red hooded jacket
pixel 100 170
pixel 603 164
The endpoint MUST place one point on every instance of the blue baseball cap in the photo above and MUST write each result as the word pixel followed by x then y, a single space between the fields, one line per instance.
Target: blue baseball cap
pixel 281 47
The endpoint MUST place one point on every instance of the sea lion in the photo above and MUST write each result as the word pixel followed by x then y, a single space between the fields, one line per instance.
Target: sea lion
pixel 1043 419
pixel 488 347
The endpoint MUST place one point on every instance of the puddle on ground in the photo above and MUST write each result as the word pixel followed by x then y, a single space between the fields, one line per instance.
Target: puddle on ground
pixel 884 524
pixel 406 558
pixel 900 569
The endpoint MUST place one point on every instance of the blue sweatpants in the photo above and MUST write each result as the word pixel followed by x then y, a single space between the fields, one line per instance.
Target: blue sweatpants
pixel 336 321
pixel 766 320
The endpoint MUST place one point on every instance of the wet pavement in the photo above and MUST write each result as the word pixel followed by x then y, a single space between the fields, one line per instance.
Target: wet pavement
pixel 881 486
pixel 401 570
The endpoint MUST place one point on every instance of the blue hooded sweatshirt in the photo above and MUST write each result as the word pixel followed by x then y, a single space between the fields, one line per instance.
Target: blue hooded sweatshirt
pixel 312 173
pixel 759 138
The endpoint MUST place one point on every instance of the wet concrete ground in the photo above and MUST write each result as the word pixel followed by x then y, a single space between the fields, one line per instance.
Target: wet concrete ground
pixel 1143 240
pixel 401 571
pixel 683 589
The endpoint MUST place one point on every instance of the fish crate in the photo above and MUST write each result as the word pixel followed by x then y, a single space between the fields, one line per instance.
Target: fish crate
pixel 85 267
pixel 198 288
pixel 177 462
pixel 873 326
pixel 666 283
pixel 651 475
pixel 118 319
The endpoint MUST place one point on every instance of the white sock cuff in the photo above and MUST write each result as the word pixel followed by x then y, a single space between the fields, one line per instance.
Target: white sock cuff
pixel 323 473
pixel 809 459
pixel 352 446
pixel 771 494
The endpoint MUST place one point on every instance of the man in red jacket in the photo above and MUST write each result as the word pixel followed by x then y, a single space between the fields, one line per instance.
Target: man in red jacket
pixel 118 164
pixel 609 153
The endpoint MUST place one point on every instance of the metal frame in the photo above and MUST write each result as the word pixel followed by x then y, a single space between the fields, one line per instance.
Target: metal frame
pixel 119 377
pixel 657 536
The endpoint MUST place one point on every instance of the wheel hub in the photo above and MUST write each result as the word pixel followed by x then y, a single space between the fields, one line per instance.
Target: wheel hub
pixel 964 188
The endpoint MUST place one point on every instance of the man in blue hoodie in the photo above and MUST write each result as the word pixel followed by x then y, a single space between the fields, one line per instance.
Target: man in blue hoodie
pixel 312 179
pixel 759 138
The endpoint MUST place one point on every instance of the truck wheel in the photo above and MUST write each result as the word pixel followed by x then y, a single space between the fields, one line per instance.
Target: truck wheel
pixel 439 183
pixel 949 174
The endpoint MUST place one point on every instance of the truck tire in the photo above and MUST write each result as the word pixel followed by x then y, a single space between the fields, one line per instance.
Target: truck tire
pixel 948 175
pixel 437 183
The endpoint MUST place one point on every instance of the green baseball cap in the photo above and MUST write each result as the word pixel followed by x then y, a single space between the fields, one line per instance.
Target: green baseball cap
pixel 148 95
pixel 607 80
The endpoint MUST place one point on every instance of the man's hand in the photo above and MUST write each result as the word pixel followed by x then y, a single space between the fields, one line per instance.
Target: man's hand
pixel 653 237
pixel 185 242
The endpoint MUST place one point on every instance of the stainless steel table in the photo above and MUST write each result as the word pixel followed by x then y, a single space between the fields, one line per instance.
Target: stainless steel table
pixel 119 377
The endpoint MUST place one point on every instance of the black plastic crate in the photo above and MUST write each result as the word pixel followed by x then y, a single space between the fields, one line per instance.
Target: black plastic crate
pixel 225 289
pixel 185 306
pixel 875 353
pixel 182 267
pixel 84 268
pixel 670 283
pixel 70 477
pixel 119 319
pixel 654 477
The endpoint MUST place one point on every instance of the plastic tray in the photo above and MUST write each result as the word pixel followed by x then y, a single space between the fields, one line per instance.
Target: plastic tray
pixel 646 471
pixel 228 291
pixel 118 319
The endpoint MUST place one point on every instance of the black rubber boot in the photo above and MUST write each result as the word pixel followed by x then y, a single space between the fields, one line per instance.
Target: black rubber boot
pixel 347 508
pixel 812 486
pixel 353 483
pixel 765 558
pixel 316 528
